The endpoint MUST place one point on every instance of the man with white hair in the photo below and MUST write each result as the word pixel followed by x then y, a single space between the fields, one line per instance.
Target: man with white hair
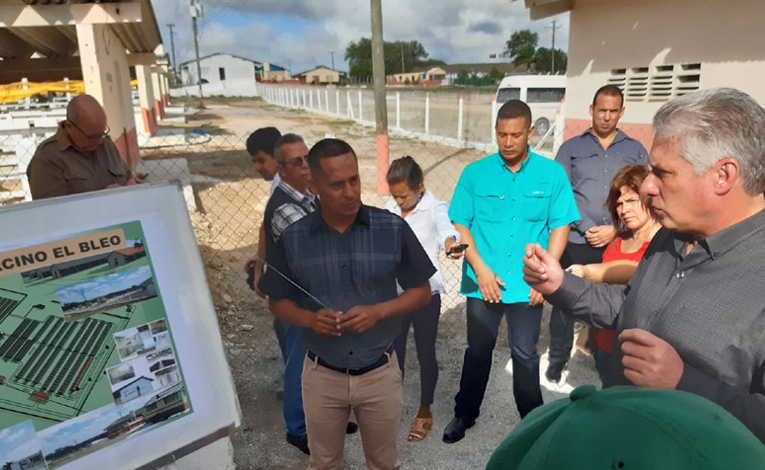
pixel 693 316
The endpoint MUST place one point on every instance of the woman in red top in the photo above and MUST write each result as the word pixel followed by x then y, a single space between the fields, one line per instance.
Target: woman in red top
pixel 636 227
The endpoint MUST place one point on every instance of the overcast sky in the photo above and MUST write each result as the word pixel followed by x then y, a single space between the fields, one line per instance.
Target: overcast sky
pixel 301 33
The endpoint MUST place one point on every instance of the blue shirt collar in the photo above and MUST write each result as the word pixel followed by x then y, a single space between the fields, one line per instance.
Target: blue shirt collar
pixel 523 166
pixel 317 221
pixel 619 136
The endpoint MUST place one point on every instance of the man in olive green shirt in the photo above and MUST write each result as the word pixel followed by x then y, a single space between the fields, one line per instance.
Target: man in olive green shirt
pixel 80 157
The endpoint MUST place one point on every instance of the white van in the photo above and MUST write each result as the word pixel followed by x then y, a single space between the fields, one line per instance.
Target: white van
pixel 543 94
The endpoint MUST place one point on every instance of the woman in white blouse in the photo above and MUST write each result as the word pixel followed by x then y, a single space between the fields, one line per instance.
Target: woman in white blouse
pixel 428 217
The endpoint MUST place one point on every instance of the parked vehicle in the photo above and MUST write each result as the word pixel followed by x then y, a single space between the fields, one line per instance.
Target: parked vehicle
pixel 543 94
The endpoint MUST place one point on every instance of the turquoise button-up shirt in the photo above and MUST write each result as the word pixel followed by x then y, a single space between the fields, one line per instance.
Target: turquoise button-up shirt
pixel 506 210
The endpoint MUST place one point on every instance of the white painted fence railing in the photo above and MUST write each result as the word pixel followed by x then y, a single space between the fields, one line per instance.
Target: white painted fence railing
pixel 456 123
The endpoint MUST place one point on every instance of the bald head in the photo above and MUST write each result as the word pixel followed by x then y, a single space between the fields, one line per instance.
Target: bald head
pixel 85 123
pixel 87 113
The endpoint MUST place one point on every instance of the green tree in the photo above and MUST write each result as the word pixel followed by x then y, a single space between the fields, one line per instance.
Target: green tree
pixel 543 60
pixel 359 57
pixel 522 46
pixel 494 76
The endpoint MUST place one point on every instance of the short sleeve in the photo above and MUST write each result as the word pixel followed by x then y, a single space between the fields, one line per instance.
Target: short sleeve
pixel 563 210
pixel 461 207
pixel 274 284
pixel 415 267
pixel 46 176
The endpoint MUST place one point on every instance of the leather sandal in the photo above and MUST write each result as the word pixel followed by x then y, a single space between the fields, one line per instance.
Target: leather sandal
pixel 419 429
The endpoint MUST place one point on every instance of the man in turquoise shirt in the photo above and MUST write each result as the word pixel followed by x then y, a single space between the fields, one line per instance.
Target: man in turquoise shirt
pixel 501 203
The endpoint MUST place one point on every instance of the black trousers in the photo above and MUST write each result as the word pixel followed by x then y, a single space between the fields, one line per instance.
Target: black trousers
pixel 561 323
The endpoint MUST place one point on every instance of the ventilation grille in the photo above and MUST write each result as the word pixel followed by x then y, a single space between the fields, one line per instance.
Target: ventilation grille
pixel 656 83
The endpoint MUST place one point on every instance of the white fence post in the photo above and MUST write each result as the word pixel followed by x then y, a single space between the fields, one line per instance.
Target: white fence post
pixel 361 109
pixel 310 98
pixel 326 99
pixel 398 109
pixel 460 117
pixel 337 102
pixel 305 101
pixel 427 113
pixel 350 104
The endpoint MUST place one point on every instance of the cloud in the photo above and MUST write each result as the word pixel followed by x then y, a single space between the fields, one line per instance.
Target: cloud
pixel 488 27
pixel 300 34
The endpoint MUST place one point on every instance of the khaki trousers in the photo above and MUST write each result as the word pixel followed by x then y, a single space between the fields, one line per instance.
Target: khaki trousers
pixel 375 398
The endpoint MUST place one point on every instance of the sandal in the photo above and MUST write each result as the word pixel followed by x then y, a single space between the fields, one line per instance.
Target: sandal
pixel 419 429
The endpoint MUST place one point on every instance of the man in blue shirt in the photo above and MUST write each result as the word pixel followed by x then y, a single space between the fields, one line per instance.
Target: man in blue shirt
pixel 591 160
pixel 500 203
pixel 349 257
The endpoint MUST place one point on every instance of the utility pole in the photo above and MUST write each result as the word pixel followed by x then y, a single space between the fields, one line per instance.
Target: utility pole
pixel 403 69
pixel 332 54
pixel 196 11
pixel 554 28
pixel 172 44
pixel 381 108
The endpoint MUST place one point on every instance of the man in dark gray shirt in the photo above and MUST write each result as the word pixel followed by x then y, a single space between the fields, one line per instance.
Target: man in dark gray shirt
pixel 693 316
pixel 591 160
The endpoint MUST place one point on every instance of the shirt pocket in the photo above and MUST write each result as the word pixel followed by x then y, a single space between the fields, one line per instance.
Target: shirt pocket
pixel 119 173
pixel 584 165
pixel 490 206
pixel 79 180
pixel 536 202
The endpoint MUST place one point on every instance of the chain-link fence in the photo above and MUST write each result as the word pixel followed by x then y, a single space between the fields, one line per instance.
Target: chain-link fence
pixel 443 130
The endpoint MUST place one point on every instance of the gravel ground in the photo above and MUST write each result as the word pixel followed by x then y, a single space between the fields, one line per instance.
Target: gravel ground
pixel 251 346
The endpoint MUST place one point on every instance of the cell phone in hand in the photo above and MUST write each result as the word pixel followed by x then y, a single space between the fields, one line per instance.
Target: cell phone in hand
pixel 457 249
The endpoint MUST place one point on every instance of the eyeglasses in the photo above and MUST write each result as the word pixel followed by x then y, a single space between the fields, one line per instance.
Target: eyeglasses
pixel 297 161
pixel 100 136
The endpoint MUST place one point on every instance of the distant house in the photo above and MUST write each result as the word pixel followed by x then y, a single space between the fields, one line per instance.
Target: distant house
pixel 447 74
pixel 480 70
pixel 272 73
pixel 230 74
pixel 138 387
pixel 321 75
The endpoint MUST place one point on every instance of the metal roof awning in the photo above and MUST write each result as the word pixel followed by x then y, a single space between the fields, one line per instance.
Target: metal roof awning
pixel 539 9
pixel 48 28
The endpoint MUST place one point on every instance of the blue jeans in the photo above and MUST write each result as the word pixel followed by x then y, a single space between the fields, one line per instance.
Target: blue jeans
pixel 290 338
pixel 483 320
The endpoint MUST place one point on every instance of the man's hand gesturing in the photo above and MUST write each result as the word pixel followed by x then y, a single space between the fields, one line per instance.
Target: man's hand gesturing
pixel 541 270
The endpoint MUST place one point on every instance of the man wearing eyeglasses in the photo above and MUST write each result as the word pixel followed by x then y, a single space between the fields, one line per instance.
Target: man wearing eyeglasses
pixel 80 157
pixel 290 202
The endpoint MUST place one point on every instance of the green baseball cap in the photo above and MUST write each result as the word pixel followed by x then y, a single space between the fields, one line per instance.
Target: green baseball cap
pixel 629 428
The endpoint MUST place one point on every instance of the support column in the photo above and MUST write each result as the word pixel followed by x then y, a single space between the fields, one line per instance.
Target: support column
pixel 146 98
pixel 159 107
pixel 106 74
pixel 165 87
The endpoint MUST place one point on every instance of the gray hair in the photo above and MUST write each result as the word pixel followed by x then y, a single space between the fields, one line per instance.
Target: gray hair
pixel 714 124
pixel 288 138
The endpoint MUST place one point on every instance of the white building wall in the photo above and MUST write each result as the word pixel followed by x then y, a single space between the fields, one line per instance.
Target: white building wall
pixel 239 75
pixel 724 37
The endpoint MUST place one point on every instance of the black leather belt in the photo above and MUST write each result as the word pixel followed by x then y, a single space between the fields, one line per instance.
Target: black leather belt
pixel 363 370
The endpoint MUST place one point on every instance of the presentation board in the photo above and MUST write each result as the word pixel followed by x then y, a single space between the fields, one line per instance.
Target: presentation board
pixel 110 353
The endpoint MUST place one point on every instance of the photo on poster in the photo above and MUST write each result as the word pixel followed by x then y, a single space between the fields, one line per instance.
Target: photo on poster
pixel 20 448
pixel 75 438
pixel 106 293
pixel 120 373
pixel 87 266
pixel 159 326
pixel 135 341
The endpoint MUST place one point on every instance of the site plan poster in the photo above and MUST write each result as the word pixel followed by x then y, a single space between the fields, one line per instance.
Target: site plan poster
pixel 87 357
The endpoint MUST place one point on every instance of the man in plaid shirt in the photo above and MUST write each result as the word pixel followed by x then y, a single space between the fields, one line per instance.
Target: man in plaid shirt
pixel 290 202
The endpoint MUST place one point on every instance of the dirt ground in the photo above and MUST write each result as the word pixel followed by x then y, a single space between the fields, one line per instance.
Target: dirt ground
pixel 232 198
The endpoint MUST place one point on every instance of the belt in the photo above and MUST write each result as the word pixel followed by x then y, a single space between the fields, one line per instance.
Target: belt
pixel 363 370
